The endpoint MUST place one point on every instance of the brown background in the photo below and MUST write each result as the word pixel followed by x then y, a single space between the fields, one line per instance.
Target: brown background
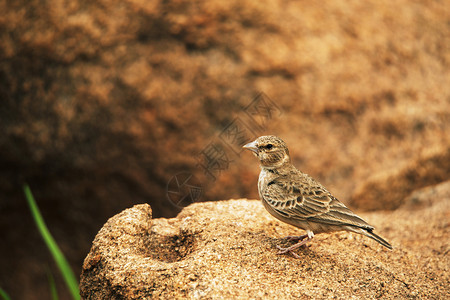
pixel 103 103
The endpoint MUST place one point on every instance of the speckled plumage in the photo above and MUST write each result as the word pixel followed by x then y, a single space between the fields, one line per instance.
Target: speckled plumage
pixel 297 199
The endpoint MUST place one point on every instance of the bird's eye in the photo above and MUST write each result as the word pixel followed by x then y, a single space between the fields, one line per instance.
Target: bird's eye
pixel 269 146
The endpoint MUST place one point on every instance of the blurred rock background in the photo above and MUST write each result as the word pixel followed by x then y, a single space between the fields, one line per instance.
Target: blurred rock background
pixel 104 102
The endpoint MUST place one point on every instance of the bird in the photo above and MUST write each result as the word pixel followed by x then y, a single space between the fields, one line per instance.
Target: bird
pixel 298 199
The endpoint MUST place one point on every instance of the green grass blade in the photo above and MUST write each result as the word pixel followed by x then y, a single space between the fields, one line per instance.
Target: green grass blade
pixel 58 256
pixel 4 295
pixel 52 285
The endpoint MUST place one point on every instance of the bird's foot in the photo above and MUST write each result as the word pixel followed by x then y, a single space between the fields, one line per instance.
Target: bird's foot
pixel 293 247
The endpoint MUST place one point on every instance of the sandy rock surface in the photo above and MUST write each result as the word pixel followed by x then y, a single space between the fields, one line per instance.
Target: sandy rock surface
pixel 228 249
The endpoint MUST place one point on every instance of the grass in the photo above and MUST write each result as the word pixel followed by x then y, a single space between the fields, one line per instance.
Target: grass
pixel 58 256
pixel 52 285
pixel 4 295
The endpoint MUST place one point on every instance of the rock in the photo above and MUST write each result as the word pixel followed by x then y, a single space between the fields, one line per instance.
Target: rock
pixel 227 249
pixel 103 103
pixel 427 196
pixel 93 97
pixel 389 189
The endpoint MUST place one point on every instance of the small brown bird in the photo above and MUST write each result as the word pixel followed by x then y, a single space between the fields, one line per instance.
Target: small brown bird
pixel 297 199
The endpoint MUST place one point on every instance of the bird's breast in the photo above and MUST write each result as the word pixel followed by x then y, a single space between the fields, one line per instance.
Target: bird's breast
pixel 263 180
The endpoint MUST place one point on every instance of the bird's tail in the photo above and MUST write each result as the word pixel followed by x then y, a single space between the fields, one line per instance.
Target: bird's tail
pixel 377 238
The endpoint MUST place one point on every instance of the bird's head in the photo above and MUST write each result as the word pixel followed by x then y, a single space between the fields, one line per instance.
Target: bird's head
pixel 271 151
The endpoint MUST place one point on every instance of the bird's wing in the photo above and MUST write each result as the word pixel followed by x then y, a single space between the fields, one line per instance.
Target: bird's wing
pixel 301 197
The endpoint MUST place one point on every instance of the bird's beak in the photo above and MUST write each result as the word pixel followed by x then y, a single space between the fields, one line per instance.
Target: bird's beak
pixel 251 146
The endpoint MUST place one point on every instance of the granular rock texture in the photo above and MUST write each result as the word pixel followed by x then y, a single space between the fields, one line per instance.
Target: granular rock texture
pixel 227 249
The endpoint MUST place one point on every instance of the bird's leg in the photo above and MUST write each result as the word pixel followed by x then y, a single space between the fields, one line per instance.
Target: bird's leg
pixel 296 237
pixel 309 236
